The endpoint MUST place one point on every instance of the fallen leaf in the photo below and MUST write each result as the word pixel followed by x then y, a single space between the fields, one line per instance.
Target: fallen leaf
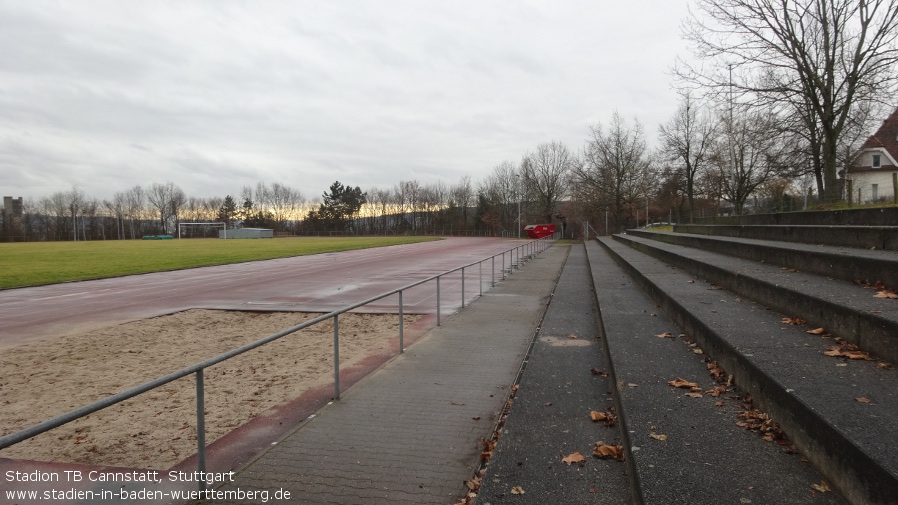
pixel 656 436
pixel 517 490
pixel 823 487
pixel 816 331
pixel 682 383
pixel 608 451
pixel 575 457
pixel 666 334
pixel 488 447
pixel 608 416
pixel 863 399
pixel 572 336
pixel 596 371
pixel 793 320
pixel 717 391
pixel 847 351
pixel 719 404
pixel 884 365
pixel 887 294
pixel 694 394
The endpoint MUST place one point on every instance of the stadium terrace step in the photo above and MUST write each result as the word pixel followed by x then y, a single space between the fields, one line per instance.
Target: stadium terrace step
pixel 877 237
pixel 684 444
pixel 863 265
pixel 840 413
pixel 871 216
pixel 845 310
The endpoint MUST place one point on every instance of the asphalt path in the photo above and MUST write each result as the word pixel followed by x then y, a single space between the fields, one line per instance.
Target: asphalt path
pixel 315 283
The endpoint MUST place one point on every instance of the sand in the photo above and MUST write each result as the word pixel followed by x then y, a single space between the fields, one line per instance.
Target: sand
pixel 157 429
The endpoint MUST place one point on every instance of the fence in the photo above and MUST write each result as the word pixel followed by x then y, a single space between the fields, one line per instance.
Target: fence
pixel 516 256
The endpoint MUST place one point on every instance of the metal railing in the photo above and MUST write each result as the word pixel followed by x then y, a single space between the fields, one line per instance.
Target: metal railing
pixel 516 255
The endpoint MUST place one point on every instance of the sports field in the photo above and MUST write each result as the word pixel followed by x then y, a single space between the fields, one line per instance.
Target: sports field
pixel 39 263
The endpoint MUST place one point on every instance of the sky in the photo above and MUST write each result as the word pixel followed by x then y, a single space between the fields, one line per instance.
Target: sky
pixel 216 95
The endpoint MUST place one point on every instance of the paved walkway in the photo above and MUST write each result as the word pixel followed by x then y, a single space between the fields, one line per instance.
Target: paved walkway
pixel 410 432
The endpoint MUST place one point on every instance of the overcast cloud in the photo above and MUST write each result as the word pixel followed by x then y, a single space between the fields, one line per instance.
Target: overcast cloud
pixel 215 95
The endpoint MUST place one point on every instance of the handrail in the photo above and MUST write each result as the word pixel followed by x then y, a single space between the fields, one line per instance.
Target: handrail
pixel 534 247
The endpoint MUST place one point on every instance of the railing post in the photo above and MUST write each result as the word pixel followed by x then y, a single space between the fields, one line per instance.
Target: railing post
pixel 200 427
pixel 462 287
pixel 438 300
pixel 480 276
pixel 336 357
pixel 493 271
pixel 503 265
pixel 401 325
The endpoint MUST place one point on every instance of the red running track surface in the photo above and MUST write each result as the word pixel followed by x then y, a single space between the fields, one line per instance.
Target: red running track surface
pixel 316 283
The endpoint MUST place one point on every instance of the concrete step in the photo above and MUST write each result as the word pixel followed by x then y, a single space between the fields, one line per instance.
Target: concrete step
pixel 851 264
pixel 681 448
pixel 871 216
pixel 864 237
pixel 841 414
pixel 844 309
pixel 549 417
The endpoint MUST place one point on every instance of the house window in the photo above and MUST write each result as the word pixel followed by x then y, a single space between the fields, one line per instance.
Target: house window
pixel 877 160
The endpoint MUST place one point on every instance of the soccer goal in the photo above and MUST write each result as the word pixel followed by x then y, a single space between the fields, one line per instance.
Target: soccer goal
pixel 223 227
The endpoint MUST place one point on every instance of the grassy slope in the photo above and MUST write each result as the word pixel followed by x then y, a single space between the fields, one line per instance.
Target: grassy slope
pixel 34 264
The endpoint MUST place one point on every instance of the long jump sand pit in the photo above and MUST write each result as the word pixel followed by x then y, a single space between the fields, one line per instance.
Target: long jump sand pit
pixel 156 430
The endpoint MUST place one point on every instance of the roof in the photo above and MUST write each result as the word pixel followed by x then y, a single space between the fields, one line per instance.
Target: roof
pixel 886 137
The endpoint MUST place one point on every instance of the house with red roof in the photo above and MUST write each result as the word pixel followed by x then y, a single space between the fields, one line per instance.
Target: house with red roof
pixel 873 174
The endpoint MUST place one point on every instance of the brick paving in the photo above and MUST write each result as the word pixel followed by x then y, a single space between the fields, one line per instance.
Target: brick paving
pixel 410 432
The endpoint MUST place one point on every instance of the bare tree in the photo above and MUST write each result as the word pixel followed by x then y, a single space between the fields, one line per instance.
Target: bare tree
pixel 749 153
pixel 545 177
pixel 135 199
pixel 462 199
pixel 74 203
pixel 616 173
pixel 686 141
pixel 117 207
pixel 167 199
pixel 285 204
pixel 821 59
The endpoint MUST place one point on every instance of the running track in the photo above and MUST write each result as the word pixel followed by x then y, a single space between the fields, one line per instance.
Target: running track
pixel 317 283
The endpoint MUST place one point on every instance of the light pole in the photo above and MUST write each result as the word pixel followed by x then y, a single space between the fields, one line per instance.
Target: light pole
pixel 518 191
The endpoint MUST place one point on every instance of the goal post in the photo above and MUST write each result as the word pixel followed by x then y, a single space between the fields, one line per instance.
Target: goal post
pixel 224 227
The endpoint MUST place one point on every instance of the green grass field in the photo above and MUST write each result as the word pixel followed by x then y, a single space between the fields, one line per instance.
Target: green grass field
pixel 39 263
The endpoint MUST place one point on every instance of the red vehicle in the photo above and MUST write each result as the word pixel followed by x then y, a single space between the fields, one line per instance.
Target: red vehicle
pixel 539 230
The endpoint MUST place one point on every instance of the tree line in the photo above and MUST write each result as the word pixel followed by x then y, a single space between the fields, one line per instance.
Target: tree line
pixel 781 96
